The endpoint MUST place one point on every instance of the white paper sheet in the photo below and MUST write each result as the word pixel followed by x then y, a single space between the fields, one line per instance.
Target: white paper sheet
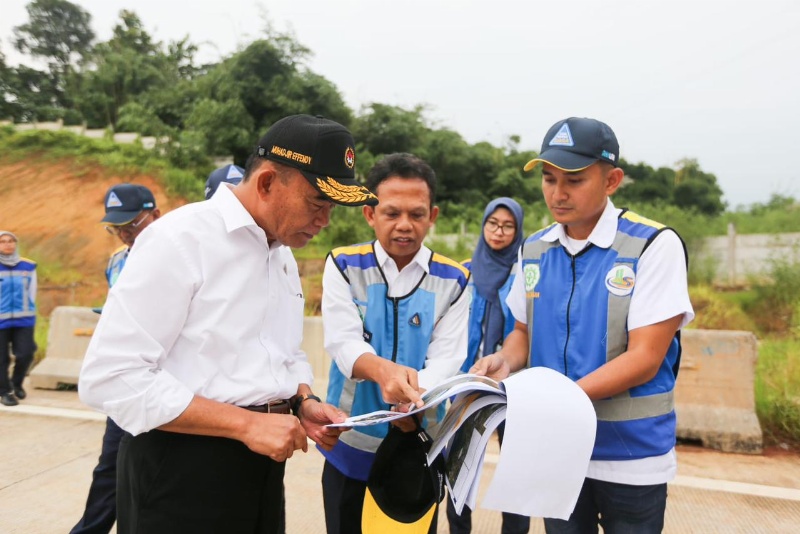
pixel 548 441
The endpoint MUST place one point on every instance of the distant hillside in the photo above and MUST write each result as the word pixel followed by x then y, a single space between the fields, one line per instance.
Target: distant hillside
pixel 55 208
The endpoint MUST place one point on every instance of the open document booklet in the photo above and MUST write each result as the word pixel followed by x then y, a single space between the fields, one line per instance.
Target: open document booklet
pixel 548 440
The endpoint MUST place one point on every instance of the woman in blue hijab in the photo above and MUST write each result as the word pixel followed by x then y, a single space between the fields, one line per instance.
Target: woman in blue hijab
pixel 490 321
pixel 491 265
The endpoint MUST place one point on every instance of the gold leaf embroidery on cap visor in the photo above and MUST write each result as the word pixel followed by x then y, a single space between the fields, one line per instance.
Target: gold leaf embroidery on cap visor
pixel 345 194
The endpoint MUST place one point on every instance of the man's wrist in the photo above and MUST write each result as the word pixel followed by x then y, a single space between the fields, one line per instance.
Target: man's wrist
pixel 299 399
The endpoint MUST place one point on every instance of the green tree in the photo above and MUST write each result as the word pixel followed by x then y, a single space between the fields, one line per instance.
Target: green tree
pixel 695 189
pixel 385 129
pixel 647 184
pixel 59 32
pixel 225 126
pixel 129 65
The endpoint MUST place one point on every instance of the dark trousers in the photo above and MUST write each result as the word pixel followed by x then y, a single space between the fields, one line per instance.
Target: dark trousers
pixel 344 500
pixel 462 524
pixel 20 339
pixel 618 508
pixel 101 504
pixel 169 482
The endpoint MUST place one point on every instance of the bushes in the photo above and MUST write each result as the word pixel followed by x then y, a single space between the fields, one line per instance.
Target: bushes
pixel 714 311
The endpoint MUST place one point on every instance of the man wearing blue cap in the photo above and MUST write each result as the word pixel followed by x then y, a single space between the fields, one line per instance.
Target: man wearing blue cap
pixel 230 174
pixel 600 296
pixel 130 208
pixel 197 353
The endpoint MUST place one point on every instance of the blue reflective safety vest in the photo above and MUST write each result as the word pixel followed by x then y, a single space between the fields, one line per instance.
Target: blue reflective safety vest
pixel 17 307
pixel 477 312
pixel 399 329
pixel 577 311
pixel 115 264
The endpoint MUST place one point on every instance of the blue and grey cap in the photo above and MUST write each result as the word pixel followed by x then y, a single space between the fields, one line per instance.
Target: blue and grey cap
pixel 123 202
pixel 231 174
pixel 575 143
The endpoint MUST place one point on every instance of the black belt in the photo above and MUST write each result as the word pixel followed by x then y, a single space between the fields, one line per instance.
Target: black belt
pixel 282 406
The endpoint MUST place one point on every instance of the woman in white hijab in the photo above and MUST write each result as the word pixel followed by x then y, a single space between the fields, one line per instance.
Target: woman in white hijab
pixel 17 318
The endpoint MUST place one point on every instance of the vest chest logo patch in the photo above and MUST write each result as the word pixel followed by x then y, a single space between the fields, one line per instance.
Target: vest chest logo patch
pixel 414 321
pixel 532 275
pixel 620 280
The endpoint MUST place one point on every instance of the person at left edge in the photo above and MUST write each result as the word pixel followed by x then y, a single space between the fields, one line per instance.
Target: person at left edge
pixel 18 284
pixel 395 320
pixel 129 209
pixel 197 352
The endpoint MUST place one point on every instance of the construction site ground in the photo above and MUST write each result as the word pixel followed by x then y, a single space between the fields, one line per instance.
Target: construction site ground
pixel 50 444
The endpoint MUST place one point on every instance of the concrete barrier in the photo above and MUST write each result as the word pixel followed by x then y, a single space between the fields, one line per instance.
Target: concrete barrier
pixel 314 347
pixel 714 394
pixel 71 328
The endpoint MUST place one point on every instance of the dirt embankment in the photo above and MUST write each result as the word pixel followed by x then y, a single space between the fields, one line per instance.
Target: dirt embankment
pixel 55 211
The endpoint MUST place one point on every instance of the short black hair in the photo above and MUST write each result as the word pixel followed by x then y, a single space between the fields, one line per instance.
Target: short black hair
pixel 402 165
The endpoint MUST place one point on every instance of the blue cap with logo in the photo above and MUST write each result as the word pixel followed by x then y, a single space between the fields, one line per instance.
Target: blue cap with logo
pixel 123 202
pixel 231 174
pixel 575 143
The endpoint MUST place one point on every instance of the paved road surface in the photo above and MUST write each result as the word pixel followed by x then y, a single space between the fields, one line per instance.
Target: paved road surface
pixel 50 443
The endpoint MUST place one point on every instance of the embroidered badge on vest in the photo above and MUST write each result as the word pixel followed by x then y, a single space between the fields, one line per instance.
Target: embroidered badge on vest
pixel 414 321
pixel 620 280
pixel 532 276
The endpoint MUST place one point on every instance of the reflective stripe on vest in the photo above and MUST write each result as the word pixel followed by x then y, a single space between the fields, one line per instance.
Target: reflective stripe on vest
pixel 622 407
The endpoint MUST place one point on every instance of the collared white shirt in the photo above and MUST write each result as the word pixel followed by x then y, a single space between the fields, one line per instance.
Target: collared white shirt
pixel 661 293
pixel 205 306
pixel 344 328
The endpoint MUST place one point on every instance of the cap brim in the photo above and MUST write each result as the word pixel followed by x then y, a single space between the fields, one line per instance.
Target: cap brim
pixel 375 521
pixel 566 161
pixel 345 192
pixel 120 217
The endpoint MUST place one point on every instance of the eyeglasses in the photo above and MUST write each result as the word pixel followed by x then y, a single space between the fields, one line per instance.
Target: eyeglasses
pixel 505 229
pixel 128 228
pixel 7 241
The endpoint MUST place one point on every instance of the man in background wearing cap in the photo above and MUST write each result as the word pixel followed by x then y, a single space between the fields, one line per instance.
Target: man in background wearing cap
pixel 231 174
pixel 600 296
pixel 130 208
pixel 395 320
pixel 197 352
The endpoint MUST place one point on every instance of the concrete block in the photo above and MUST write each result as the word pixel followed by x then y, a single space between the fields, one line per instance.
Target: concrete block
pixel 314 347
pixel 126 137
pixel 714 393
pixel 71 329
pixel 94 133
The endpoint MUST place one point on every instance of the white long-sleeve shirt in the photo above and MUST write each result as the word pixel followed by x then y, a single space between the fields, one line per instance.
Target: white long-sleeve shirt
pixel 344 329
pixel 205 306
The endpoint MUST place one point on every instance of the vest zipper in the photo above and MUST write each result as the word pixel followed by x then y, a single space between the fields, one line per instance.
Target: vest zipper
pixel 569 307
pixel 394 341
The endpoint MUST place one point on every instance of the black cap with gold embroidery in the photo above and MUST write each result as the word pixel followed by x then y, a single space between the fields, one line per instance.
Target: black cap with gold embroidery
pixel 321 149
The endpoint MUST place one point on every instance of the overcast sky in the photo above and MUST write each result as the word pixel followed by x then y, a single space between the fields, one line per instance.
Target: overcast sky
pixel 718 81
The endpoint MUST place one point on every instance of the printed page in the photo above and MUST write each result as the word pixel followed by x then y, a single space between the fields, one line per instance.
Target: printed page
pixel 448 388
pixel 548 441
pixel 462 407
pixel 465 457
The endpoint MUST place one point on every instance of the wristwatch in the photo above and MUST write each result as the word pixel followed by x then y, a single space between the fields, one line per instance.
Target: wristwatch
pixel 298 400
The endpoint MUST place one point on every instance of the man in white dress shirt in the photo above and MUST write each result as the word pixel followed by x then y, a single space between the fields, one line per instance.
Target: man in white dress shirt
pixel 395 320
pixel 197 353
